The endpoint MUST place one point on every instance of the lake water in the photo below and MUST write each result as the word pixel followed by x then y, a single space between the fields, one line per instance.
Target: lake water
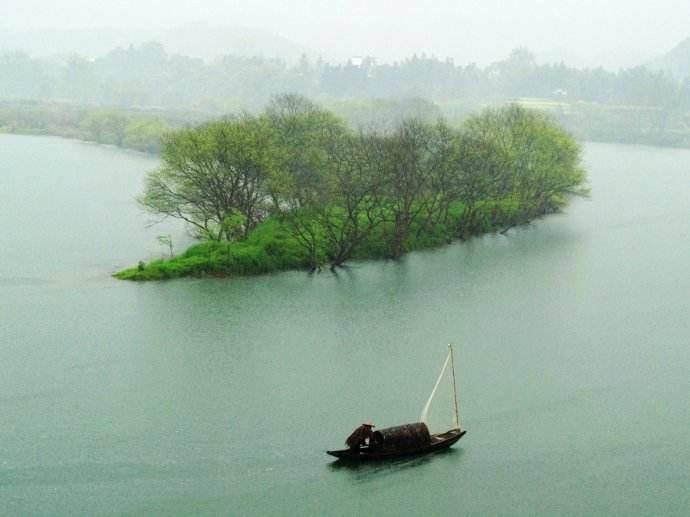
pixel 194 396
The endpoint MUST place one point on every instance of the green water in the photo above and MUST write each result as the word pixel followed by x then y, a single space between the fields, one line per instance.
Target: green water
pixel 219 396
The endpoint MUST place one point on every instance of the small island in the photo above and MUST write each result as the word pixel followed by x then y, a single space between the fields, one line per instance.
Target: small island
pixel 296 188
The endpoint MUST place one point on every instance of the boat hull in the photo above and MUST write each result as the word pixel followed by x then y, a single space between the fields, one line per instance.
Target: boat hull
pixel 438 442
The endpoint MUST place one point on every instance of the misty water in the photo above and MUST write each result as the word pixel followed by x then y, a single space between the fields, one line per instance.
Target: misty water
pixel 219 396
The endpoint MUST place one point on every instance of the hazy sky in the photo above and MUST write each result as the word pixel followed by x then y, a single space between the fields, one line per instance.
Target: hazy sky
pixel 609 31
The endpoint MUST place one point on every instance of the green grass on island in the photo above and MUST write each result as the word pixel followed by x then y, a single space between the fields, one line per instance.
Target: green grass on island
pixel 271 247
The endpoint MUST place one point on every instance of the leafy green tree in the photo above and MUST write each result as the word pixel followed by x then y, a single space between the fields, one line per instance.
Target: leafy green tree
pixel 407 163
pixel 306 228
pixel 306 136
pixel 445 169
pixel 214 174
pixel 521 154
pixel 546 161
pixel 304 132
pixel 355 205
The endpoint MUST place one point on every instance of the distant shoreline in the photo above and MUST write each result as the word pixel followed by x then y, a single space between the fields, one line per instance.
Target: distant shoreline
pixel 141 130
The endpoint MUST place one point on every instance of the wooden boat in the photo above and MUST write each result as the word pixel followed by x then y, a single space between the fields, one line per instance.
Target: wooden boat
pixel 408 439
pixel 384 450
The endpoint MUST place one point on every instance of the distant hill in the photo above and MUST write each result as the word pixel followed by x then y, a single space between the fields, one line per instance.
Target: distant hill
pixel 195 40
pixel 676 61
pixel 208 42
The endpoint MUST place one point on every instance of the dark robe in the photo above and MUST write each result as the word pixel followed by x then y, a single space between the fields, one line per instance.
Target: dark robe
pixel 359 437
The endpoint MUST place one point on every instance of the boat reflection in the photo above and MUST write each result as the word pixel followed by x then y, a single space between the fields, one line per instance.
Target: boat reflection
pixel 361 471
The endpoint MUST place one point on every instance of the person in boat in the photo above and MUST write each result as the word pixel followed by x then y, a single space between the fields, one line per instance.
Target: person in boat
pixel 360 436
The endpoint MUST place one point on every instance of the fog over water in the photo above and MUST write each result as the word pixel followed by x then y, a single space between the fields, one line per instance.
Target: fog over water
pixel 219 394
pixel 583 33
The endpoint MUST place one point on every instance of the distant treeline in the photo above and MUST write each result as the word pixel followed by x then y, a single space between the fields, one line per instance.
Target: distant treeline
pixel 143 130
pixel 296 187
pixel 147 76
pixel 633 105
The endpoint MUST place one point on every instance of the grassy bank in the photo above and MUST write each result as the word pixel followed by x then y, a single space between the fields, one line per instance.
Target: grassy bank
pixel 271 247
pixel 620 124
pixel 140 130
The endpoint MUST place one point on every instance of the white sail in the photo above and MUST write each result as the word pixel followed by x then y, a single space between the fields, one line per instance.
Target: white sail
pixel 425 412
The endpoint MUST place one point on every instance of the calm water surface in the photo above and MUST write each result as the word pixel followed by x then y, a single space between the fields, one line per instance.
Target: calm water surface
pixel 219 396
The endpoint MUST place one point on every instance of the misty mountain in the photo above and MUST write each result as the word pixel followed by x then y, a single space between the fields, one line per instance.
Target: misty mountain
pixel 676 61
pixel 195 40
pixel 209 42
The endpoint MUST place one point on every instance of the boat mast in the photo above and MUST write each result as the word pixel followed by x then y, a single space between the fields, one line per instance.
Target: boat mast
pixel 455 392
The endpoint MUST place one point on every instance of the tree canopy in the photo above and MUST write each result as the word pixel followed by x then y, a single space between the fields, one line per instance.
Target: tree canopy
pixel 338 191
